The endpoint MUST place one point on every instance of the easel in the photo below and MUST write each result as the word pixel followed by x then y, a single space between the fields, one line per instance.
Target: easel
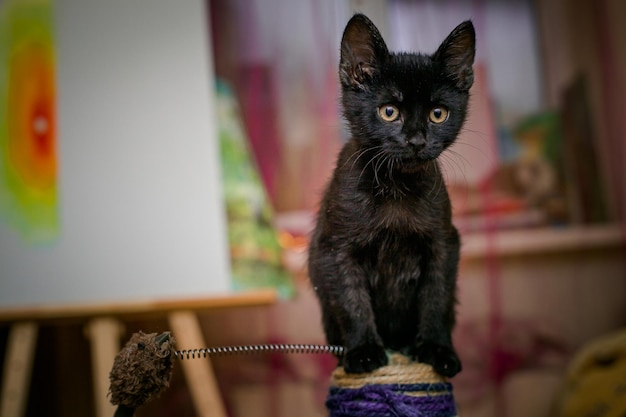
pixel 103 327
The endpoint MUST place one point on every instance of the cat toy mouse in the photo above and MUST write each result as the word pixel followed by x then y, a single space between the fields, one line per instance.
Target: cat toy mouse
pixel 141 371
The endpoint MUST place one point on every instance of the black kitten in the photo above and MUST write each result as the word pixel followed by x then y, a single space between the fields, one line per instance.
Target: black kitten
pixel 384 254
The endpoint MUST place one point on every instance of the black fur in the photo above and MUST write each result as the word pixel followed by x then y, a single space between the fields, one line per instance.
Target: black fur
pixel 383 256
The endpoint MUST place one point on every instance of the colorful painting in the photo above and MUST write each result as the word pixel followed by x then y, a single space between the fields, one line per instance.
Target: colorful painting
pixel 254 247
pixel 28 155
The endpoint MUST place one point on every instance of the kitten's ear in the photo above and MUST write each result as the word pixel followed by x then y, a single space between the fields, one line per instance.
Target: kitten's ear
pixel 362 52
pixel 457 54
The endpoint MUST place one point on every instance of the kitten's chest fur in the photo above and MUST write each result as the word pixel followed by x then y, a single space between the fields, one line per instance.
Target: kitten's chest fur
pixel 384 206
pixel 393 268
pixel 393 265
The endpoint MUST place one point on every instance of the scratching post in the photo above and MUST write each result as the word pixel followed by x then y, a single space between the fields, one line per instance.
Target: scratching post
pixel 401 389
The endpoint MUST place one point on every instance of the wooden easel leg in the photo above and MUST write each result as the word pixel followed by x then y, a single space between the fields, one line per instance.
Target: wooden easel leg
pixel 18 367
pixel 104 334
pixel 198 373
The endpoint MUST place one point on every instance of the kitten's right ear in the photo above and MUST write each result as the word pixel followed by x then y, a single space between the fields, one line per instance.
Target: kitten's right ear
pixel 363 50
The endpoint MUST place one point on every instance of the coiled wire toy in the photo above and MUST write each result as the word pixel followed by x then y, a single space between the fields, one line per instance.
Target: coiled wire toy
pixel 253 349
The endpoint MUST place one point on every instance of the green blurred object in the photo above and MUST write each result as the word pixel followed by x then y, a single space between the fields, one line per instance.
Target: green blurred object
pixel 254 247
pixel 545 129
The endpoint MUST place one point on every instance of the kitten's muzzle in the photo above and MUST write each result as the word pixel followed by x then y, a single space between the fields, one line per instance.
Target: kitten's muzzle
pixel 417 143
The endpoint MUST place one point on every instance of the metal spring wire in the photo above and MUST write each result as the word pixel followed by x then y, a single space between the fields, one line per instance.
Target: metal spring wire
pixel 252 349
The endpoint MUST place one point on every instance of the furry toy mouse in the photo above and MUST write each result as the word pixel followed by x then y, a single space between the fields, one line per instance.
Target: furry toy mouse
pixel 141 371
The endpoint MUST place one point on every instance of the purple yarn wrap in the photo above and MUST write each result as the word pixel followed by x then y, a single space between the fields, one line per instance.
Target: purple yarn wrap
pixel 391 400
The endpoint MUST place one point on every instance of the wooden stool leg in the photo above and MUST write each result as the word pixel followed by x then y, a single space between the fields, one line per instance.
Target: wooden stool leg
pixel 198 373
pixel 18 367
pixel 104 334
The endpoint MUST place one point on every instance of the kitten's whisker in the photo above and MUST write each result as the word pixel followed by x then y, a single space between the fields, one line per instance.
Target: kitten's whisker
pixel 483 150
pixel 459 185
pixel 438 182
pixel 466 162
pixel 462 185
pixel 377 155
pixel 360 153
pixel 390 163
pixel 377 166
pixel 482 136
pixel 396 191
pixel 447 169
pixel 454 162
pixel 452 171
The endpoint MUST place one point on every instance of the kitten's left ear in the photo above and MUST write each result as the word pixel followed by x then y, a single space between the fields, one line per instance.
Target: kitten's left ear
pixel 457 54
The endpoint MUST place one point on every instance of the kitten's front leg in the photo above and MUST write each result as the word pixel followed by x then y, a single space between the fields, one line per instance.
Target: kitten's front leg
pixel 364 358
pixel 364 348
pixel 348 316
pixel 437 307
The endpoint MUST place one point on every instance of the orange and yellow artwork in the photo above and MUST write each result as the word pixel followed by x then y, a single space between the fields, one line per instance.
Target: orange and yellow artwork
pixel 28 152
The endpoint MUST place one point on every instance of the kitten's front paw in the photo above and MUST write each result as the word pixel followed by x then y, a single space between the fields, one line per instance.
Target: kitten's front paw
pixel 364 358
pixel 442 358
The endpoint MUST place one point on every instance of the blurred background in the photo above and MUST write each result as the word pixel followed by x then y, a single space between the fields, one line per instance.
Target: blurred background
pixel 537 181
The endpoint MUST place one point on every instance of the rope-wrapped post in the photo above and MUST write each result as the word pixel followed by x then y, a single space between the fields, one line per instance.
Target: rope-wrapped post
pixel 403 388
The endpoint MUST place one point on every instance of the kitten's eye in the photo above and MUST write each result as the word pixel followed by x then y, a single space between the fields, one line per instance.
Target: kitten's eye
pixel 389 113
pixel 438 115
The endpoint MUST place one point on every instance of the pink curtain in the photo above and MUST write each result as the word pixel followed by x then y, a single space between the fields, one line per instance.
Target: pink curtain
pixel 280 58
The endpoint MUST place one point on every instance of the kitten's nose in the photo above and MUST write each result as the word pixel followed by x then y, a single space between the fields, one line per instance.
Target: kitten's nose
pixel 416 142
